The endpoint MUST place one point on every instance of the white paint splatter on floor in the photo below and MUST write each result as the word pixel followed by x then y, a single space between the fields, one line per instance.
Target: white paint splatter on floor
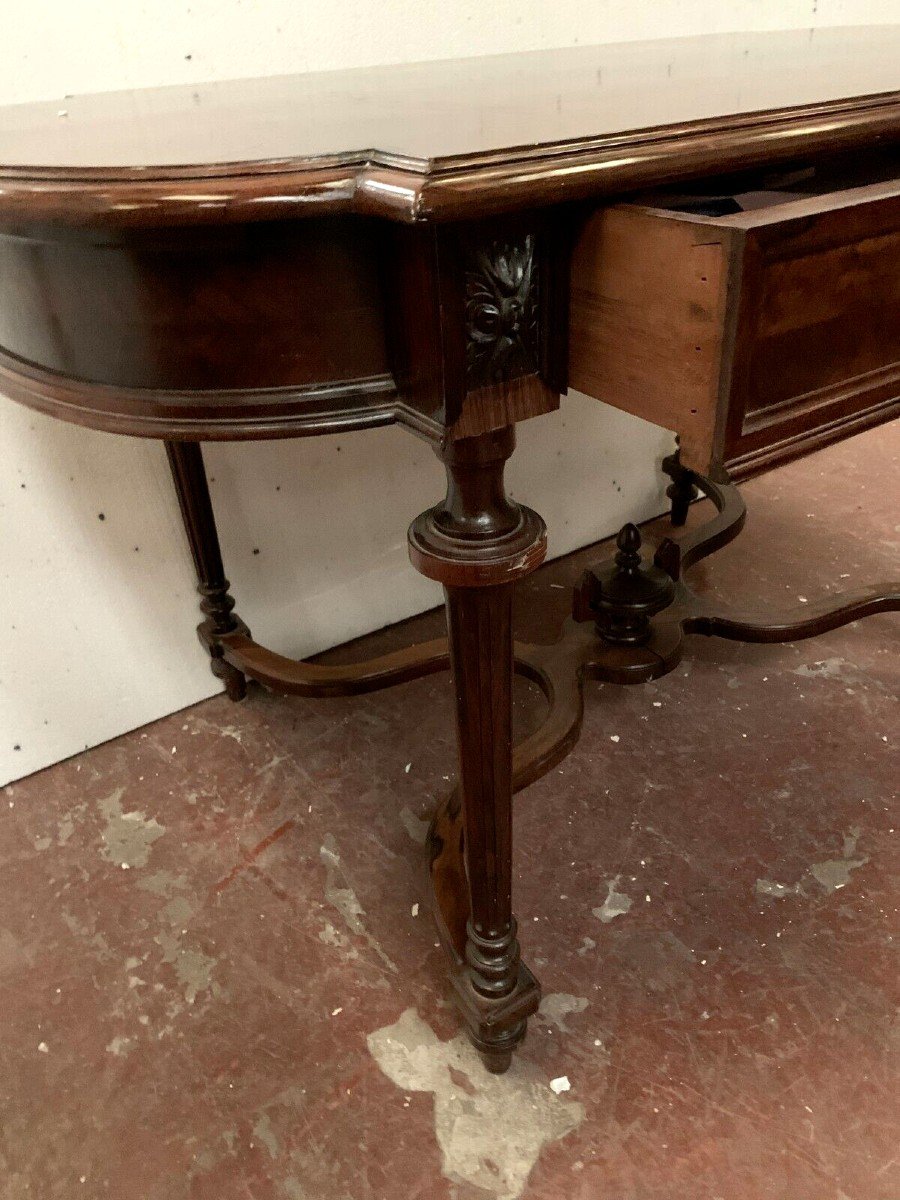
pixel 128 836
pixel 557 1006
pixel 832 874
pixel 416 827
pixel 616 904
pixel 490 1130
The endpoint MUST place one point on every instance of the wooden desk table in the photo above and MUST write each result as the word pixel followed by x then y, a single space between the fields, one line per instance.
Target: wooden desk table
pixel 705 232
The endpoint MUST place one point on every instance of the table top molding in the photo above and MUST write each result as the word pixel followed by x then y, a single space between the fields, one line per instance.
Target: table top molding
pixel 450 140
pixel 373 183
pixel 244 414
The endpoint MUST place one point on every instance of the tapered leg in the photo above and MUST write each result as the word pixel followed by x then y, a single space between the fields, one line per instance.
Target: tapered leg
pixel 681 490
pixel 480 630
pixel 477 543
pixel 186 462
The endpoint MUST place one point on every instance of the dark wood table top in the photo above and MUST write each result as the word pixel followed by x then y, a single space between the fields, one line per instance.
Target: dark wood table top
pixel 449 138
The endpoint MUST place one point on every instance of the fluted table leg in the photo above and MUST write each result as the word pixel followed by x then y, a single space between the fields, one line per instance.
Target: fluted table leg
pixel 477 543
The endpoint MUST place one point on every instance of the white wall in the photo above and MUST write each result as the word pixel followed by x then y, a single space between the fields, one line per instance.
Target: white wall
pixel 97 616
pixel 50 47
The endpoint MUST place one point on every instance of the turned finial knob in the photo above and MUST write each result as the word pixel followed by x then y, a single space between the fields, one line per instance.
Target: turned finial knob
pixel 623 594
pixel 629 547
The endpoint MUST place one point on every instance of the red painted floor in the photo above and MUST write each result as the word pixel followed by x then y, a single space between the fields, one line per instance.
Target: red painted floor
pixel 218 976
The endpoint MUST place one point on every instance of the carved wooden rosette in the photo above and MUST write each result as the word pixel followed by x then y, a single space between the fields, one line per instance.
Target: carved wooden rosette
pixel 479 328
pixel 502 281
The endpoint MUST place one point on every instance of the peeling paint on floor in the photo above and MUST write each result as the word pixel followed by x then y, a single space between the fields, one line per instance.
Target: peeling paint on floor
pixel 556 1006
pixel 263 1130
pixel 192 967
pixel 616 904
pixel 416 827
pixel 832 874
pixel 128 836
pixel 770 887
pixel 491 1129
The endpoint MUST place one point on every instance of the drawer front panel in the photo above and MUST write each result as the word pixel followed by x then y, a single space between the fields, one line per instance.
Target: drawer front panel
pixel 817 335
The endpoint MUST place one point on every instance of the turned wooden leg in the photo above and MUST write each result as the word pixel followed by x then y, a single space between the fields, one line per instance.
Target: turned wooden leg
pixel 477 543
pixel 681 490
pixel 186 462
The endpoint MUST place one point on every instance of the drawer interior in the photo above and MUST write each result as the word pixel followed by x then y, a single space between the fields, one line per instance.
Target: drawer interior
pixel 744 316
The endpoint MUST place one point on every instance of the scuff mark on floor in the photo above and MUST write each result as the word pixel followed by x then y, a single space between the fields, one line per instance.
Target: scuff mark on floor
pixel 246 860
pixel 832 668
pixel 231 731
pixel 128 836
pixel 119 1046
pixel 14 953
pixel 163 883
pixel 172 888
pixel 278 1126
pixel 661 961
pixel 293 1190
pixel 89 933
pixel 616 904
pixel 339 893
pixel 334 937
pixel 66 827
pixel 491 1132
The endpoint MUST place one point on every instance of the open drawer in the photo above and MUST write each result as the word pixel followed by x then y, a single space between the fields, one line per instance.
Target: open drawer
pixel 756 326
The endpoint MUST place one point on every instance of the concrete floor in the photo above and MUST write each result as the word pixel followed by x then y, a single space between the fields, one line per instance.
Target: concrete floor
pixel 219 978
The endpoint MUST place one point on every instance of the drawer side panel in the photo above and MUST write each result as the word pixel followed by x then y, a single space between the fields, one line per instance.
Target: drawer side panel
pixel 649 297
